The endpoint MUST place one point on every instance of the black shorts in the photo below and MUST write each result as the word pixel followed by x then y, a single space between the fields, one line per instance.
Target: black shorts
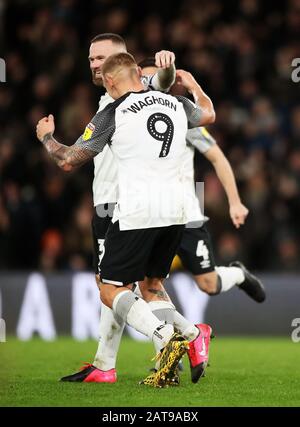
pixel 100 224
pixel 131 255
pixel 196 251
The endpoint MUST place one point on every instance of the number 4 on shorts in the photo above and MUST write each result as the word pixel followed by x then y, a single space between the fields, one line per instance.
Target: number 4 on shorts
pixel 202 250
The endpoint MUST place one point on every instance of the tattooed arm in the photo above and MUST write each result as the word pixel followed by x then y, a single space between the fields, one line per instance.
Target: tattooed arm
pixel 66 157
pixel 76 155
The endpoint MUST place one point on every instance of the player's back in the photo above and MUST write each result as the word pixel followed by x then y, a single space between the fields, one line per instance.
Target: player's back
pixel 149 143
pixel 147 134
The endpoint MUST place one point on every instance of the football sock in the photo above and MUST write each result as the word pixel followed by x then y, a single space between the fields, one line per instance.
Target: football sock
pixel 110 331
pixel 136 290
pixel 138 314
pixel 185 327
pixel 164 311
pixel 230 276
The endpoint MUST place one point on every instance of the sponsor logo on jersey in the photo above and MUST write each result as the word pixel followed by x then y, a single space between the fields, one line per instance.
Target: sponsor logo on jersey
pixel 88 131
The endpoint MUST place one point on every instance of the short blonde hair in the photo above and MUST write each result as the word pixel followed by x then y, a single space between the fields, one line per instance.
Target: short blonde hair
pixel 117 61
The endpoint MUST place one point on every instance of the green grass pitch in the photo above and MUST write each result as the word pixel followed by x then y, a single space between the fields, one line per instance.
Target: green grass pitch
pixel 243 372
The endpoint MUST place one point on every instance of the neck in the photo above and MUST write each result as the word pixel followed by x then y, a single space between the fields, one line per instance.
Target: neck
pixel 125 87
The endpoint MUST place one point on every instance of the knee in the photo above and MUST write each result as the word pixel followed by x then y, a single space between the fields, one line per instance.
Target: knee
pixel 208 283
pixel 105 295
pixel 152 283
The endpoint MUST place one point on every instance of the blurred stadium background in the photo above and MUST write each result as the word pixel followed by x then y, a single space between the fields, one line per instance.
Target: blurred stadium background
pixel 241 52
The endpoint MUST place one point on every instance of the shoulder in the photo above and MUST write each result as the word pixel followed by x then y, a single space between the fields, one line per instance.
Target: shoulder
pixel 104 101
pixel 110 108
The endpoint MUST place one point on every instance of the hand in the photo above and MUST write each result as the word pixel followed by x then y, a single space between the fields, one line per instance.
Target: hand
pixel 44 126
pixel 164 59
pixel 185 79
pixel 238 214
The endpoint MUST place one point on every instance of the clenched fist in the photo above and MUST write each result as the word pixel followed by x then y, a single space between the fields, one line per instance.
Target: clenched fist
pixel 164 59
pixel 44 126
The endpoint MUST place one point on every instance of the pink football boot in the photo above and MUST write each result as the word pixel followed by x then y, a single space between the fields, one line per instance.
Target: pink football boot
pixel 90 374
pixel 199 351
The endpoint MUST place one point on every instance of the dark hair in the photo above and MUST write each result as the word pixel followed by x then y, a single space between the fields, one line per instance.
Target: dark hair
pixel 115 38
pixel 148 62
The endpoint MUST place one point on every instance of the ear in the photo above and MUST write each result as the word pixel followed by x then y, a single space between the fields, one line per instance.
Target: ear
pixel 108 80
pixel 139 71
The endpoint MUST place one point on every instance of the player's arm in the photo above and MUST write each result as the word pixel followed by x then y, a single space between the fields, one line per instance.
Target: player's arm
pixel 166 73
pixel 238 212
pixel 68 158
pixel 183 78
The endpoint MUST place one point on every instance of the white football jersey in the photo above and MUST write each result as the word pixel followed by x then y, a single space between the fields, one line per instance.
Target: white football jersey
pixel 105 183
pixel 147 135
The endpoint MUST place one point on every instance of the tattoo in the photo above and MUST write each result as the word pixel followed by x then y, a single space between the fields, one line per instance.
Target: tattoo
pixel 65 156
pixel 160 294
pixel 47 137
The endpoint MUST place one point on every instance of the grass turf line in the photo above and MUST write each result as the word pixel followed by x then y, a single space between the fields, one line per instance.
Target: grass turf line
pixel 244 372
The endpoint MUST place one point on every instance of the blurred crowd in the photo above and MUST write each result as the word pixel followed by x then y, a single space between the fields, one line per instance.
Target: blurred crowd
pixel 239 51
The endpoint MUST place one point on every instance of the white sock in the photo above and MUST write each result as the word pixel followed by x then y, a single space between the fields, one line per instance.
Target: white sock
pixel 230 276
pixel 111 329
pixel 136 290
pixel 139 315
pixel 185 327
pixel 164 311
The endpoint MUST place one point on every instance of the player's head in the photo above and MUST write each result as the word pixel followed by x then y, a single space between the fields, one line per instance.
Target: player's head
pixel 120 71
pixel 102 46
pixel 148 66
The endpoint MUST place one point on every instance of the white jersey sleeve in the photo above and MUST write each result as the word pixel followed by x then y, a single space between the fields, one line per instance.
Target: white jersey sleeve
pixel 105 188
pixel 152 83
pixel 200 139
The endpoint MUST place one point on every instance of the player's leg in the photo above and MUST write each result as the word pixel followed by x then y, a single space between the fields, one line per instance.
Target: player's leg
pixel 110 328
pixel 110 334
pixel 153 291
pixel 119 267
pixel 198 336
pixel 196 254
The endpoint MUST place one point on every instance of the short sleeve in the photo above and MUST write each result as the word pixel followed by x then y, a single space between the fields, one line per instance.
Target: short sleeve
pixel 99 131
pixel 152 83
pixel 192 111
pixel 148 82
pixel 200 138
